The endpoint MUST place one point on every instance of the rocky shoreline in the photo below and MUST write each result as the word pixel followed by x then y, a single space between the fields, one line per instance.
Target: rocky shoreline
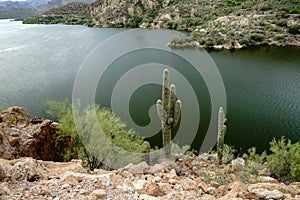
pixel 211 24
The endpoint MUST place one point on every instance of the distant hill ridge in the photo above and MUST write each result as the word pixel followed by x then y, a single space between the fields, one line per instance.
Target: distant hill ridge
pixel 15 9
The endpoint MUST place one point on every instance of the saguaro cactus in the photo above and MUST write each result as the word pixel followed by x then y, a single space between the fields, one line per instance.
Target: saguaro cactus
pixel 221 134
pixel 168 112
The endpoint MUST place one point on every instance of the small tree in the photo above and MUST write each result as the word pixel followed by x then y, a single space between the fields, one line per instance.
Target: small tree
pixel 284 162
pixel 109 148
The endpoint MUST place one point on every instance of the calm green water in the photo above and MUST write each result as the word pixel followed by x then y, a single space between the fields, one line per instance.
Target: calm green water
pixel 39 63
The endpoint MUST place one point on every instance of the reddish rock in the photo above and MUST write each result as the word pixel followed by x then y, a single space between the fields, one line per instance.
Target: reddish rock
pixel 20 137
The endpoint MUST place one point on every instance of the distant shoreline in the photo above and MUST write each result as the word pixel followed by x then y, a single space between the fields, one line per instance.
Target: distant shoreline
pixel 229 24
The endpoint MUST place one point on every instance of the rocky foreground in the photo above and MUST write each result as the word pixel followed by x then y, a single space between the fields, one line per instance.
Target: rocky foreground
pixel 188 178
pixel 28 171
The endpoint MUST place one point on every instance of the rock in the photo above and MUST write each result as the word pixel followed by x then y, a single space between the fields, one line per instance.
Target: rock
pixel 170 175
pixel 70 179
pixel 64 186
pixel 20 138
pixel 203 186
pixel 267 179
pixel 238 164
pixel 6 147
pixel 140 168
pixel 157 179
pixel 98 194
pixel 59 169
pixel 139 186
pixel 5 168
pixel 211 190
pixel 215 184
pixel 238 189
pixel 296 186
pixel 157 168
pixel 153 189
pixel 273 186
pixel 188 184
pixel 28 169
pixel 267 194
pixel 4 189
pixel 15 116
pixel 146 197
pixel 208 157
pixel 172 181
pixel 264 172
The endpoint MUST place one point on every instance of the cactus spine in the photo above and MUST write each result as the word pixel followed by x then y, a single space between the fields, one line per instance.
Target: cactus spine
pixel 221 134
pixel 168 110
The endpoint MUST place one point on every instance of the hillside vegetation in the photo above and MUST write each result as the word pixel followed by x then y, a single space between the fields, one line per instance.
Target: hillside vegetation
pixel 218 24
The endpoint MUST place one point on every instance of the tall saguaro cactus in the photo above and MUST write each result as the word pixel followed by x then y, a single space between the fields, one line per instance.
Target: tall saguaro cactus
pixel 221 134
pixel 168 112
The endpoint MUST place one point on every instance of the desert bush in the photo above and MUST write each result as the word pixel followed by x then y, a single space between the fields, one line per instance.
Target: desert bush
pixel 295 10
pixel 255 161
pixel 228 153
pixel 113 145
pixel 295 29
pixel 282 23
pixel 266 6
pixel 256 37
pixel 284 161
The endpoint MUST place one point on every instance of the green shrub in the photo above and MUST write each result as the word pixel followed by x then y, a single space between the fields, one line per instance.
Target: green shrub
pixel 295 10
pixel 272 28
pixel 295 29
pixel 110 147
pixel 266 6
pixel 254 160
pixel 284 162
pixel 234 3
pixel 197 35
pixel 282 23
pixel 257 37
pixel 228 154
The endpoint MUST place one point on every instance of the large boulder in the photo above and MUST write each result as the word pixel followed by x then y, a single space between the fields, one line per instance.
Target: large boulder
pixel 22 137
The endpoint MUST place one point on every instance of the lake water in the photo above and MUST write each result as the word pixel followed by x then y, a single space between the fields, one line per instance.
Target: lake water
pixel 40 63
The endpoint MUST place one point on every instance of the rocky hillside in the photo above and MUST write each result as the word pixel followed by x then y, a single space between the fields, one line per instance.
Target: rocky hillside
pixel 219 24
pixel 17 9
pixel 187 178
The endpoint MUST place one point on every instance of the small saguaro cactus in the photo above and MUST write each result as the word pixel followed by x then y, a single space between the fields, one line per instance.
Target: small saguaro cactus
pixel 221 134
pixel 168 110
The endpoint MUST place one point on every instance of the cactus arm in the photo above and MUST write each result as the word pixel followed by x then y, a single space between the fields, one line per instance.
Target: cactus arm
pixel 172 100
pixel 159 108
pixel 177 111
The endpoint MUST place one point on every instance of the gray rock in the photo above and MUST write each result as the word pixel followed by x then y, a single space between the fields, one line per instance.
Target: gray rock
pixel 238 164
pixel 267 194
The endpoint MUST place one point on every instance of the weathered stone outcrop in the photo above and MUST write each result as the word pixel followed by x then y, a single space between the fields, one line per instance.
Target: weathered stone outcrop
pixel 22 137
